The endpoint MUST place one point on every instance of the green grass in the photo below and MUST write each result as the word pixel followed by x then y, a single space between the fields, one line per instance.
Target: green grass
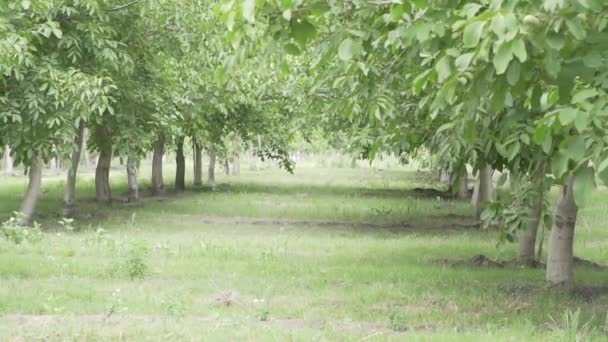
pixel 325 254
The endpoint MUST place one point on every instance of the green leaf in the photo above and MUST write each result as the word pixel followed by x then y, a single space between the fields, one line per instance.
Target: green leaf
pixel 464 61
pixel 603 165
pixel 397 11
pixel 472 34
pixel 514 150
pixel 553 5
pixel 349 49
pixel 302 31
pixel 540 134
pixel 559 165
pixel 574 148
pixel 498 25
pixel 552 65
pixel 584 184
pixel 444 69
pixel 519 50
pixel 555 41
pixel 502 58
pixel 249 10
pixel 548 144
pixel 567 115
pixel 576 28
pixel 591 4
pixel 445 126
pixel 292 49
pixel 581 122
pixel 583 95
pixel 513 73
pixel 593 59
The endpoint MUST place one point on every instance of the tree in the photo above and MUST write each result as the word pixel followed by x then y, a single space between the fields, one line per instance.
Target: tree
pixel 464 62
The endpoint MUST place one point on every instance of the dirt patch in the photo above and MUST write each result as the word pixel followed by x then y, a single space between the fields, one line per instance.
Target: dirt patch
pixel 431 193
pixel 117 320
pixel 589 264
pixel 476 261
pixel 589 294
pixel 439 226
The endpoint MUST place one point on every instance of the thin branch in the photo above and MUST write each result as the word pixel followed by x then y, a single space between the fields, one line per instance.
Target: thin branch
pixel 118 8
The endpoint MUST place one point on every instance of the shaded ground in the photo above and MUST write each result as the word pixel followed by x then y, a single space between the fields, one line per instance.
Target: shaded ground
pixel 304 258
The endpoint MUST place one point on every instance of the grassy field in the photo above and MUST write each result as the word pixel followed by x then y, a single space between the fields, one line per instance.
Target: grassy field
pixel 325 254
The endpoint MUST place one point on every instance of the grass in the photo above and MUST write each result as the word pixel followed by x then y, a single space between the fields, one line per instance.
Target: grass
pixel 325 254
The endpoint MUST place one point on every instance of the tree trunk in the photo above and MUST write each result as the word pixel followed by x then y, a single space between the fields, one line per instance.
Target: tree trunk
pixel 54 166
pixel 132 165
pixel 180 170
pixel 8 161
pixel 158 185
pixel 211 170
pixel 86 157
pixel 475 196
pixel 485 191
pixel 253 161
pixel 102 172
pixel 69 196
pixel 527 238
pixel 560 261
pixel 236 165
pixel 28 206
pixel 444 177
pixel 226 167
pixel 463 186
pixel 198 165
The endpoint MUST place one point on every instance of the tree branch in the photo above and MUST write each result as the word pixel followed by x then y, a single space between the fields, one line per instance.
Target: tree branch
pixel 118 8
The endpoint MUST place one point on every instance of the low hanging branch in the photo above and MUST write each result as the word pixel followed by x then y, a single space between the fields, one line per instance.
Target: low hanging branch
pixel 118 8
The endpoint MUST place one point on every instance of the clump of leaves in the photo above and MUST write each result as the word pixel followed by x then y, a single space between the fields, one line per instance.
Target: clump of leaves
pixel 264 315
pixel 67 224
pixel 135 262
pixel 398 321
pixel 14 232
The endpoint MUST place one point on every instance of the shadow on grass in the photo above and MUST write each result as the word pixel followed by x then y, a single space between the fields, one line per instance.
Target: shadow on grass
pixel 312 190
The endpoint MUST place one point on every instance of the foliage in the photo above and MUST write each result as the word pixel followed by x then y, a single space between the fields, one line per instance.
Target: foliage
pixel 14 232
pixel 135 262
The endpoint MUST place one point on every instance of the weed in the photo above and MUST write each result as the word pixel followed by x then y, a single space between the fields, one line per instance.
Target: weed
pixel 14 232
pixel 175 307
pixel 571 326
pixel 264 315
pixel 135 263
pixel 67 224
pixel 398 321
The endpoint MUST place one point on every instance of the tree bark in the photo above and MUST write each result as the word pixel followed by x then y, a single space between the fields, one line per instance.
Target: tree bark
pixel 560 261
pixel 226 167
pixel 180 170
pixel 211 170
pixel 253 161
pixel 69 195
pixel 475 196
pixel 485 191
pixel 86 157
pixel 198 165
pixel 527 238
pixel 463 186
pixel 102 172
pixel 132 165
pixel 158 186
pixel 8 161
pixel 236 165
pixel 28 206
